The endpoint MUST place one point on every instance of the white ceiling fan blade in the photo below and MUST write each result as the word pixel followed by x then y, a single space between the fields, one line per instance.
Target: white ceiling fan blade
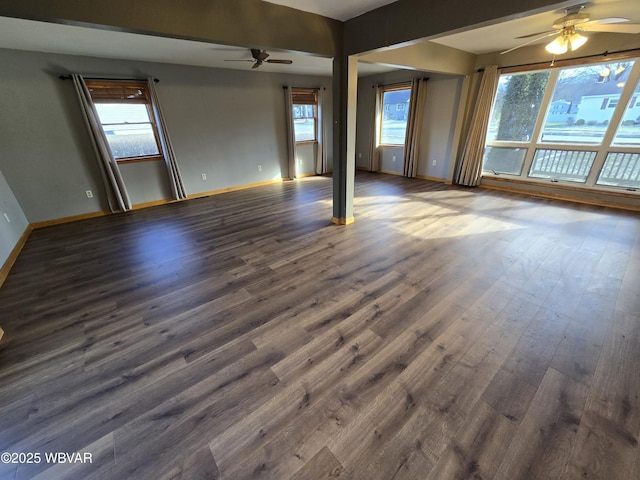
pixel 538 33
pixel 611 27
pixel 531 41
pixel 606 21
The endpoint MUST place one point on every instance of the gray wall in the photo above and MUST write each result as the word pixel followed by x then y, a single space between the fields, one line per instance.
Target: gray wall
pixel 10 230
pixel 438 127
pixel 306 158
pixel 223 123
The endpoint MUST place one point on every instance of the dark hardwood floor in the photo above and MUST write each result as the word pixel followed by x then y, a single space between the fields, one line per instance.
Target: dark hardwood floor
pixel 449 333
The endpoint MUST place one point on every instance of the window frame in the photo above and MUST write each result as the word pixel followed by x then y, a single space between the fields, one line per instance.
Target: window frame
pixel 604 148
pixel 387 108
pixel 145 99
pixel 301 96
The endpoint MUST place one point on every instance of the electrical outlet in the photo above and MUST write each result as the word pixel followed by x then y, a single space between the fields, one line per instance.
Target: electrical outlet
pixel 89 193
pixel 359 154
pixel 7 217
pixel 393 158
pixel 434 163
pixel 259 168
pixel 204 176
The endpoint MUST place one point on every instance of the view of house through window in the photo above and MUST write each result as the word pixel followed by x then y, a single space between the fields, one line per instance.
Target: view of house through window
pixel 577 124
pixel 305 114
pixel 124 109
pixel 395 111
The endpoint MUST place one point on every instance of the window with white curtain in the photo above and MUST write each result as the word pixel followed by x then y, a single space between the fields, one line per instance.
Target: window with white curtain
pixel 124 110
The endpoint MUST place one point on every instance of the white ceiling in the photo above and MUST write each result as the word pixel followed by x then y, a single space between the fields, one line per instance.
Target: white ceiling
pixel 502 36
pixel 74 40
pixel 338 9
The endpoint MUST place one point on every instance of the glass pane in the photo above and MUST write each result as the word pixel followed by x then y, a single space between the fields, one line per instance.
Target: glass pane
pixel 122 113
pixel 304 123
pixel 394 116
pixel 570 165
pixel 621 170
pixel 629 130
pixel 504 160
pixel 516 106
pixel 125 141
pixel 128 129
pixel 583 103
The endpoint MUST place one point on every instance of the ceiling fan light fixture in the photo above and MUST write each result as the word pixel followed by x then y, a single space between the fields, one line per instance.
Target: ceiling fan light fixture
pixel 576 41
pixel 558 46
pixel 568 40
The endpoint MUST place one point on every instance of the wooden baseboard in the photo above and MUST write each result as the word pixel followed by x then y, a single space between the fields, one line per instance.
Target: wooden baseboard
pixel 391 172
pixel 155 203
pixel 564 193
pixel 75 218
pixel 432 179
pixel 234 189
pixel 6 267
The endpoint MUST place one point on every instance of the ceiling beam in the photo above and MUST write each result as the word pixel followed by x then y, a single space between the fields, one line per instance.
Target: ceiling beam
pixel 247 23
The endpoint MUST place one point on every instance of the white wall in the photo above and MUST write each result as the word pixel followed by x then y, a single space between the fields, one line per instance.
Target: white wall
pixel 222 122
pixel 13 225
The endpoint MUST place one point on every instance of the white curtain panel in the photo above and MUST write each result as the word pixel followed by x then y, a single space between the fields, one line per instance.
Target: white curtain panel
pixel 473 153
pixel 117 195
pixel 175 179
pixel 414 126
pixel 376 119
pixel 321 153
pixel 291 134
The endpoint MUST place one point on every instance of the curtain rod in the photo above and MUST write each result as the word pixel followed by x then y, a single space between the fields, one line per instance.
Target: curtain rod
pixel 68 77
pixel 584 57
pixel 426 79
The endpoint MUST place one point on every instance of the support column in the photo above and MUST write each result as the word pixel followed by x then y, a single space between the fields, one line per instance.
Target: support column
pixel 345 86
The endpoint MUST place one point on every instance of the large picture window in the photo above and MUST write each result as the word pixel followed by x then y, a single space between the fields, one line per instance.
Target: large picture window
pixel 124 110
pixel 579 124
pixel 395 112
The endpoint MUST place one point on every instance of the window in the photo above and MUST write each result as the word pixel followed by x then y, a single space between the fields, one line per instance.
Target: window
pixel 124 110
pixel 516 107
pixel 305 114
pixel 393 127
pixel 577 124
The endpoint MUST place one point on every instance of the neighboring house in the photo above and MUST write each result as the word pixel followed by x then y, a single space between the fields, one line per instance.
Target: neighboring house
pixel 598 103
pixel 396 104
pixel 562 111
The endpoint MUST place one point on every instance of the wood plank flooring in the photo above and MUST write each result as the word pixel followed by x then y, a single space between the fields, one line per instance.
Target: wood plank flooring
pixel 449 333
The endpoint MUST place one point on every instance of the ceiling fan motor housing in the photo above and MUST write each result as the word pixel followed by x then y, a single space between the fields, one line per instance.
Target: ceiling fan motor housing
pixel 571 20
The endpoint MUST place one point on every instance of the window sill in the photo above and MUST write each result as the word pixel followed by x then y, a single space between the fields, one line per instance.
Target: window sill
pixel 140 159
pixel 307 142
pixel 617 198
pixel 387 145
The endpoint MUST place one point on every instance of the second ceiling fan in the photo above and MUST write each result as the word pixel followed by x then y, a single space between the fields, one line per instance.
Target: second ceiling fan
pixel 260 57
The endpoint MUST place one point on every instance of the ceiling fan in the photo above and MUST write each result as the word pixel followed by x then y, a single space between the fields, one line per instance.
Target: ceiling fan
pixel 260 57
pixel 569 28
